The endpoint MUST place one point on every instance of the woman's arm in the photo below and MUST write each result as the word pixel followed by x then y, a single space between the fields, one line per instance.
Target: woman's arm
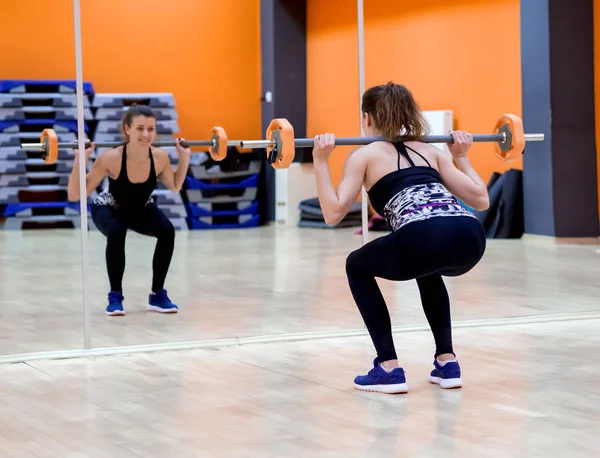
pixel 463 182
pixel 173 180
pixel 335 204
pixel 93 178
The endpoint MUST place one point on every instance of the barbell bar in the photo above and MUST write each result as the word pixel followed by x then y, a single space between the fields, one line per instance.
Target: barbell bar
pixel 49 145
pixel 359 141
pixel 508 138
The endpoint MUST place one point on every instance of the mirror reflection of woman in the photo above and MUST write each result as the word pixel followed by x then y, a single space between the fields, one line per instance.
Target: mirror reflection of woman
pixel 133 170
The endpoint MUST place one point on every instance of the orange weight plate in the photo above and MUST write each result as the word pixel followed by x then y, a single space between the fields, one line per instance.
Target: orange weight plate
pixel 512 126
pixel 218 152
pixel 282 132
pixel 50 142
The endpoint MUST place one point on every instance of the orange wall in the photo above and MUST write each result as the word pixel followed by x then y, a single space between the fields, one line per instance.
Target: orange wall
pixel 332 90
pixel 205 52
pixel 447 53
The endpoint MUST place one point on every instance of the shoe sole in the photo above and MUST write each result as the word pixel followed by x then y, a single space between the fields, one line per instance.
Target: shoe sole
pixel 118 313
pixel 154 308
pixel 446 383
pixel 387 389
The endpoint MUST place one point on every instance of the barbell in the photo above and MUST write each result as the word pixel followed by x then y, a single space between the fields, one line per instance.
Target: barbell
pixel 509 140
pixel 49 145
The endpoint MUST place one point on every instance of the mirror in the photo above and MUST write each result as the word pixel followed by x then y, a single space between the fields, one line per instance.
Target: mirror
pixel 40 230
pixel 200 71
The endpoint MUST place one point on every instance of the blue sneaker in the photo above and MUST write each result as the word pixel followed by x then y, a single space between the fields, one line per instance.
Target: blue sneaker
pixel 379 380
pixel 446 376
pixel 161 303
pixel 115 304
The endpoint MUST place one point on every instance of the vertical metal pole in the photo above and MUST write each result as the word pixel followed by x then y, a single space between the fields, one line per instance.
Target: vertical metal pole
pixel 82 174
pixel 361 90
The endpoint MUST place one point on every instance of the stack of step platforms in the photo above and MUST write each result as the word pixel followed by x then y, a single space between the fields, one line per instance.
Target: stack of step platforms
pixel 34 194
pixel 110 108
pixel 223 195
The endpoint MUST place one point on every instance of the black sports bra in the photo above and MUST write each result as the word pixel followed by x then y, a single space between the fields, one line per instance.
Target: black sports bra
pixel 128 195
pixel 394 182
pixel 413 194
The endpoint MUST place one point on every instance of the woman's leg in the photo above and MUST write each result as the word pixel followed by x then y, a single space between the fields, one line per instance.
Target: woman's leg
pixel 417 251
pixel 153 222
pixel 112 225
pixel 391 257
pixel 436 305
pixel 466 243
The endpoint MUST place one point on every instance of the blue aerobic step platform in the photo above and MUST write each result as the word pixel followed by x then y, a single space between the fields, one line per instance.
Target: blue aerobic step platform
pixel 27 208
pixel 222 205
pixel 204 172
pixel 194 183
pixel 45 86
pixel 47 114
pixel 35 193
pixel 223 216
pixel 152 99
pixel 9 166
pixel 199 210
pixel 34 178
pixel 45 222
pixel 221 192
pixel 40 99
pixel 243 221
pixel 15 153
pixel 38 125
pixel 116 113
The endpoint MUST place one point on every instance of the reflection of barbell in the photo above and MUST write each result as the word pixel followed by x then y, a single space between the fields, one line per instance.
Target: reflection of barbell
pixel 508 136
pixel 49 146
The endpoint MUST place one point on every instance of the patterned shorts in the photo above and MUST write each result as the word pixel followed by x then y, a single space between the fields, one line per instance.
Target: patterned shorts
pixel 422 202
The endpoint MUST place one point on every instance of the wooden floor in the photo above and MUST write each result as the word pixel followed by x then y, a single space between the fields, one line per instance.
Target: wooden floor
pixel 527 329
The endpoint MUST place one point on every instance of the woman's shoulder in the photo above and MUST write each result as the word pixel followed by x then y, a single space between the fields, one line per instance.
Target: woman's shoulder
pixel 161 158
pixel 430 151
pixel 159 154
pixel 111 154
pixel 422 147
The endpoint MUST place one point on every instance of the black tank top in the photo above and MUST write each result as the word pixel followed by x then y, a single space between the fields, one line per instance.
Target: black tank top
pixel 412 194
pixel 132 196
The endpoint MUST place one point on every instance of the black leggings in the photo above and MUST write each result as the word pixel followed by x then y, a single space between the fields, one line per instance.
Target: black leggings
pixel 424 250
pixel 149 221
